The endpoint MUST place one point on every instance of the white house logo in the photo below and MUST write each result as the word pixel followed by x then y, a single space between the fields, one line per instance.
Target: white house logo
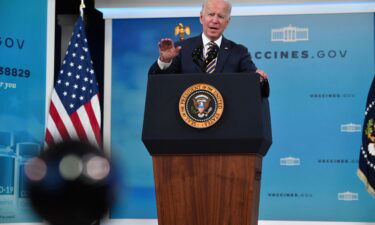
pixel 350 128
pixel 290 34
pixel 347 196
pixel 290 161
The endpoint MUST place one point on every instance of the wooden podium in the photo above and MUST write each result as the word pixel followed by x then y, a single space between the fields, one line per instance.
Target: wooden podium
pixel 207 176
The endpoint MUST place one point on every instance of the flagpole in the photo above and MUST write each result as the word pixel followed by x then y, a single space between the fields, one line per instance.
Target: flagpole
pixel 81 7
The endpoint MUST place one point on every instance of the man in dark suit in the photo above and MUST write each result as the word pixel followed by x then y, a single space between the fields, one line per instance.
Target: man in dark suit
pixel 194 55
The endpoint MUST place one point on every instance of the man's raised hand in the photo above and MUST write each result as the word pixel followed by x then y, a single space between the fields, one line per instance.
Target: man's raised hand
pixel 167 50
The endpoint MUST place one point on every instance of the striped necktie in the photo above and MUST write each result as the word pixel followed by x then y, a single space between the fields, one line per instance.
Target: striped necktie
pixel 211 58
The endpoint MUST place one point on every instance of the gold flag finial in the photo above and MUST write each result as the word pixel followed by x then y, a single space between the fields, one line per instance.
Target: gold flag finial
pixel 181 30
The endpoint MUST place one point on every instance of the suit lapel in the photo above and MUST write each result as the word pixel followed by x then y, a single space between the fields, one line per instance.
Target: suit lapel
pixel 223 55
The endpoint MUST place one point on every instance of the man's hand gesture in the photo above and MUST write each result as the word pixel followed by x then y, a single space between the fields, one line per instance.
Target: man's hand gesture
pixel 167 50
pixel 263 75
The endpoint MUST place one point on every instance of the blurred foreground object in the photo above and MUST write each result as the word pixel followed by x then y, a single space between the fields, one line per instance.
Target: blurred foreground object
pixel 71 183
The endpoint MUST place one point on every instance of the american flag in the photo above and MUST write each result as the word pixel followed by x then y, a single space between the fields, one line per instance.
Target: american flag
pixel 74 112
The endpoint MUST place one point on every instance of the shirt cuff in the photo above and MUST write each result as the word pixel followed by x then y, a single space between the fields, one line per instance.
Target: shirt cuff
pixel 163 65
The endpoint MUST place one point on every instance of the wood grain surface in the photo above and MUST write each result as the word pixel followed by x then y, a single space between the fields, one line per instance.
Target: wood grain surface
pixel 207 189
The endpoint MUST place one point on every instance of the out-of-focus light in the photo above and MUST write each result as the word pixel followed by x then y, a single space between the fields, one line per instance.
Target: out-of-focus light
pixel 71 167
pixel 36 169
pixel 97 168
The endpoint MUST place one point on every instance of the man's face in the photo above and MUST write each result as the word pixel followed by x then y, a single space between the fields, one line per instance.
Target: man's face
pixel 215 18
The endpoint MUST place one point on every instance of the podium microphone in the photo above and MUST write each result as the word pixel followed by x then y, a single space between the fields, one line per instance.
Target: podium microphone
pixel 197 57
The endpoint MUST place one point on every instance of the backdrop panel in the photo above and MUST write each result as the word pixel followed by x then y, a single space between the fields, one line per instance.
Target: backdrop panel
pixel 320 69
pixel 22 95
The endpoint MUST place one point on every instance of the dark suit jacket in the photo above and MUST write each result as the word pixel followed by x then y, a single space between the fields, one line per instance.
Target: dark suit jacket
pixel 232 58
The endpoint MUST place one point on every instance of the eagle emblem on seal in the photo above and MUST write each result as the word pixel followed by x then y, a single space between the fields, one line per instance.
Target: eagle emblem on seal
pixel 202 105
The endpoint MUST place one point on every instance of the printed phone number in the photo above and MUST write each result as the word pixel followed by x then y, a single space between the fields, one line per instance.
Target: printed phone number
pixel 15 72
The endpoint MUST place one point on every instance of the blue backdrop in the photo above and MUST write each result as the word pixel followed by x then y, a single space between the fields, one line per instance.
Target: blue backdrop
pixel 22 97
pixel 320 68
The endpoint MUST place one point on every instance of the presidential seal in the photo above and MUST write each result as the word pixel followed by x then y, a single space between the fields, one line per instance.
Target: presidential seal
pixel 201 105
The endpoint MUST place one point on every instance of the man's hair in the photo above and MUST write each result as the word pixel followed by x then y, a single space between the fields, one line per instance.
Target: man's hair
pixel 229 6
